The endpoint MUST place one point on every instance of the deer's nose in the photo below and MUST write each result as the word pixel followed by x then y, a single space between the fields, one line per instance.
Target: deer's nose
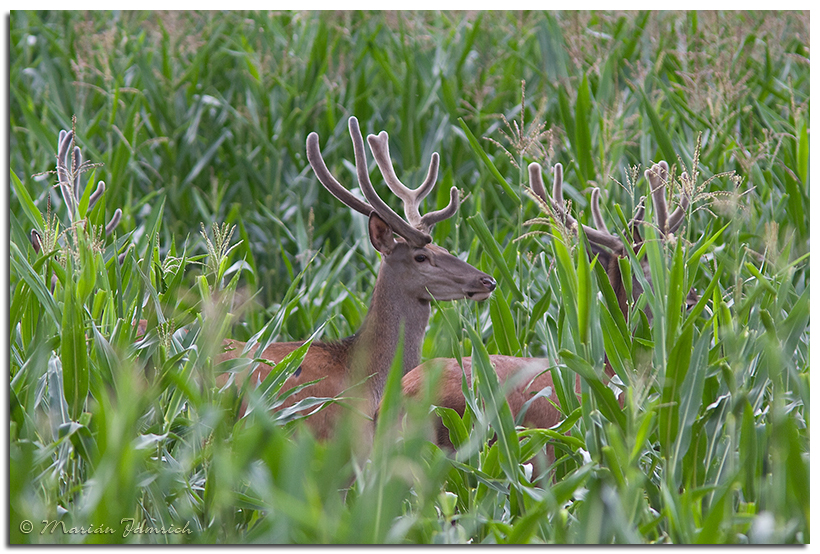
pixel 488 282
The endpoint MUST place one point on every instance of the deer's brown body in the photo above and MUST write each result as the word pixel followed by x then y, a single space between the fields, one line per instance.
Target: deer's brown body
pixel 319 363
pixel 520 379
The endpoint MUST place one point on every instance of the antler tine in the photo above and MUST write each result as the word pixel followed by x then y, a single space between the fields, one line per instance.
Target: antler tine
pixel 557 198
pixel 428 220
pixel 115 220
pixel 77 162
pixel 36 241
pixel 657 177
pixel 402 228
pixel 96 195
pixel 411 198
pixel 537 182
pixel 558 194
pixel 640 213
pixel 596 211
pixel 676 218
pixel 333 186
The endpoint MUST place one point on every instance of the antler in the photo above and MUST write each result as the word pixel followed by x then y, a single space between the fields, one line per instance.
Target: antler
pixel 599 234
pixel 416 229
pixel 656 175
pixel 412 198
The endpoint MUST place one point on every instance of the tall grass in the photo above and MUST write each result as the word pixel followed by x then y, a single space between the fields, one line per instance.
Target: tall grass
pixel 198 123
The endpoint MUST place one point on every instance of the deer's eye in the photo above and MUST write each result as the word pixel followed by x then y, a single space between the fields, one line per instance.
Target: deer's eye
pixel 421 258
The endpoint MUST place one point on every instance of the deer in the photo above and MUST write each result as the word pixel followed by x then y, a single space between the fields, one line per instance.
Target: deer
pixel 524 378
pixel 413 273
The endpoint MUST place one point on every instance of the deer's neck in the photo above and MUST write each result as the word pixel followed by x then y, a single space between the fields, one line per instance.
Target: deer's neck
pixel 391 311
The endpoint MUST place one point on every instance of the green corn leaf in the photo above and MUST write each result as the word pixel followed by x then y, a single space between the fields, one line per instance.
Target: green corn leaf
pixel 503 326
pixel 81 439
pixel 694 257
pixel 21 267
pixel 525 526
pixel 107 359
pixel 455 425
pixel 585 291
pixel 712 531
pixel 488 163
pixel 73 354
pixel 82 208
pixel 676 369
pixel 88 268
pixel 566 488
pixel 795 324
pixel 610 300
pixel 607 402
pixel 272 384
pixel 689 399
pixel 674 296
pixel 644 428
pixel 568 279
pixel 658 129
pixel 540 437
pixel 760 278
pixel 390 404
pixel 566 117
pixel 696 310
pixel 583 137
pixel 206 157
pixel 618 351
pixel 31 211
pixel 492 249
pixel 497 410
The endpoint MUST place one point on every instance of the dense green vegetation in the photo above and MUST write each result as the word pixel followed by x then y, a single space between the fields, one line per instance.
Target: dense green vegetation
pixel 197 122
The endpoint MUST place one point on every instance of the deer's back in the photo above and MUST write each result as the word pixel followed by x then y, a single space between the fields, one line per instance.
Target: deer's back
pixel 520 378
pixel 326 362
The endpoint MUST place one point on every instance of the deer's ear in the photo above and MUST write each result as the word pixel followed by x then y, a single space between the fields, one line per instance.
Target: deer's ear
pixel 381 235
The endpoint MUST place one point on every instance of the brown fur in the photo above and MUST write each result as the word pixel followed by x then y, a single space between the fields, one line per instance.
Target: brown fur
pixel 320 362
pixel 519 378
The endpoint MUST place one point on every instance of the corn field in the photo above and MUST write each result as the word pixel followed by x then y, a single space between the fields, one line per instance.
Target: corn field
pixel 211 224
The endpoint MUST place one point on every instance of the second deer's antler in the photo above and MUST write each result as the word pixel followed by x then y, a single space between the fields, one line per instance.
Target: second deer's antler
pixel 598 235
pixel 655 175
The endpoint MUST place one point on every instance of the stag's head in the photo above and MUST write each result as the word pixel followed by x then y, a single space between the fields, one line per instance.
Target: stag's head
pixel 608 246
pixel 410 261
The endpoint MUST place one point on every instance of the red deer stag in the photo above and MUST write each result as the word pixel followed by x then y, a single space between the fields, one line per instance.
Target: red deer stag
pixel 530 373
pixel 413 272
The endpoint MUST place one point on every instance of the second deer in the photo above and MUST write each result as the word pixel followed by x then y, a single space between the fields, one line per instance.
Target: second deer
pixel 525 377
